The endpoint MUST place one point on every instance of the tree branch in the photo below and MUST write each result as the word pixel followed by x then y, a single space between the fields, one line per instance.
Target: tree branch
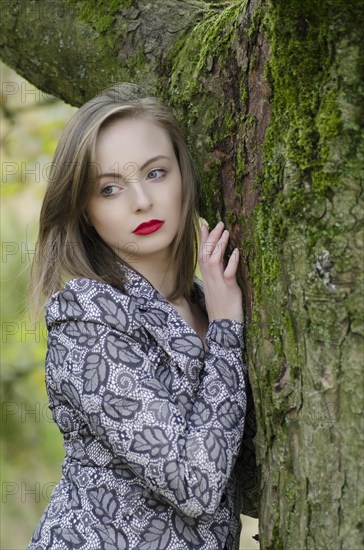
pixel 74 50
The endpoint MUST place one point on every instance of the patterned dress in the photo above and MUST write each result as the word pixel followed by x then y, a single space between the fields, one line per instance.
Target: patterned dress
pixel 152 423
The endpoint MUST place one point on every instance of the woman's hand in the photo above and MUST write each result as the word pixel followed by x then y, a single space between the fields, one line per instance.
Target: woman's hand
pixel 223 296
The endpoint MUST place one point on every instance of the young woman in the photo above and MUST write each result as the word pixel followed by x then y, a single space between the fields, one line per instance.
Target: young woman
pixel 144 369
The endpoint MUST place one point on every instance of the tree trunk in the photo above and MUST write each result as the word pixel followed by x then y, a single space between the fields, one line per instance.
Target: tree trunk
pixel 271 95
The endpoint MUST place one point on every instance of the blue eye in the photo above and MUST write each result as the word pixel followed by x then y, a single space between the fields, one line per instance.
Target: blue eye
pixel 156 174
pixel 107 191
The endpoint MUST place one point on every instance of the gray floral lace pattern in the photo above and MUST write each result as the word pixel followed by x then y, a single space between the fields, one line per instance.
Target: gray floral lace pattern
pixel 152 423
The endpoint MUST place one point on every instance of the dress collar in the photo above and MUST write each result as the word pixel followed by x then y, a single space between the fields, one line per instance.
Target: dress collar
pixel 138 286
pixel 165 324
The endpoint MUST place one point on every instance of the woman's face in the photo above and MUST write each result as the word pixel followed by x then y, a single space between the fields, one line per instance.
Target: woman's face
pixel 139 183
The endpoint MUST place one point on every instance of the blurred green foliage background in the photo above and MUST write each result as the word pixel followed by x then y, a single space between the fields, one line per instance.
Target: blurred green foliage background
pixel 31 446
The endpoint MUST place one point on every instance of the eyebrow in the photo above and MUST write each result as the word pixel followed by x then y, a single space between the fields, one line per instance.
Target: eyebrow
pixel 117 175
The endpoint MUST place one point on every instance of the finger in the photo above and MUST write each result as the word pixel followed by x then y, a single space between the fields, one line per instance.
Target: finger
pixel 210 242
pixel 232 265
pixel 217 254
pixel 215 233
pixel 204 232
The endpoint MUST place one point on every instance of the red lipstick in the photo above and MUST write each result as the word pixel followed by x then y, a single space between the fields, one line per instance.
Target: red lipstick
pixel 148 227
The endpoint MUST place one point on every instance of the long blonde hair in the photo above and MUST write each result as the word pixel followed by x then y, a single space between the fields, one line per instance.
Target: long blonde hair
pixel 67 245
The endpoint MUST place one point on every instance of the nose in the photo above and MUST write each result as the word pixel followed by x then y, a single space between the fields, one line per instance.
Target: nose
pixel 141 199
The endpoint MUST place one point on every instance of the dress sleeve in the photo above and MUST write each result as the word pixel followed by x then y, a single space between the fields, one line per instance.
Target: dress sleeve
pixel 105 373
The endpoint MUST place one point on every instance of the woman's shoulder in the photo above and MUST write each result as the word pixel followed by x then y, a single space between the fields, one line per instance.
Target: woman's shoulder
pixel 88 300
pixel 82 288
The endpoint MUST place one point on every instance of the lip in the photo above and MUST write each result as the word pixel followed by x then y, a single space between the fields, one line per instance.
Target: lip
pixel 148 227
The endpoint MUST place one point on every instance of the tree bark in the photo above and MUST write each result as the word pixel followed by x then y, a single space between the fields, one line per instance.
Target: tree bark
pixel 75 49
pixel 271 97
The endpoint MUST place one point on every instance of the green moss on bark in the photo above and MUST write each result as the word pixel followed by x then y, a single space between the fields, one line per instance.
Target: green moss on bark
pixel 102 32
pixel 194 53
pixel 100 14
pixel 305 259
pixel 195 64
pixel 303 161
pixel 303 157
